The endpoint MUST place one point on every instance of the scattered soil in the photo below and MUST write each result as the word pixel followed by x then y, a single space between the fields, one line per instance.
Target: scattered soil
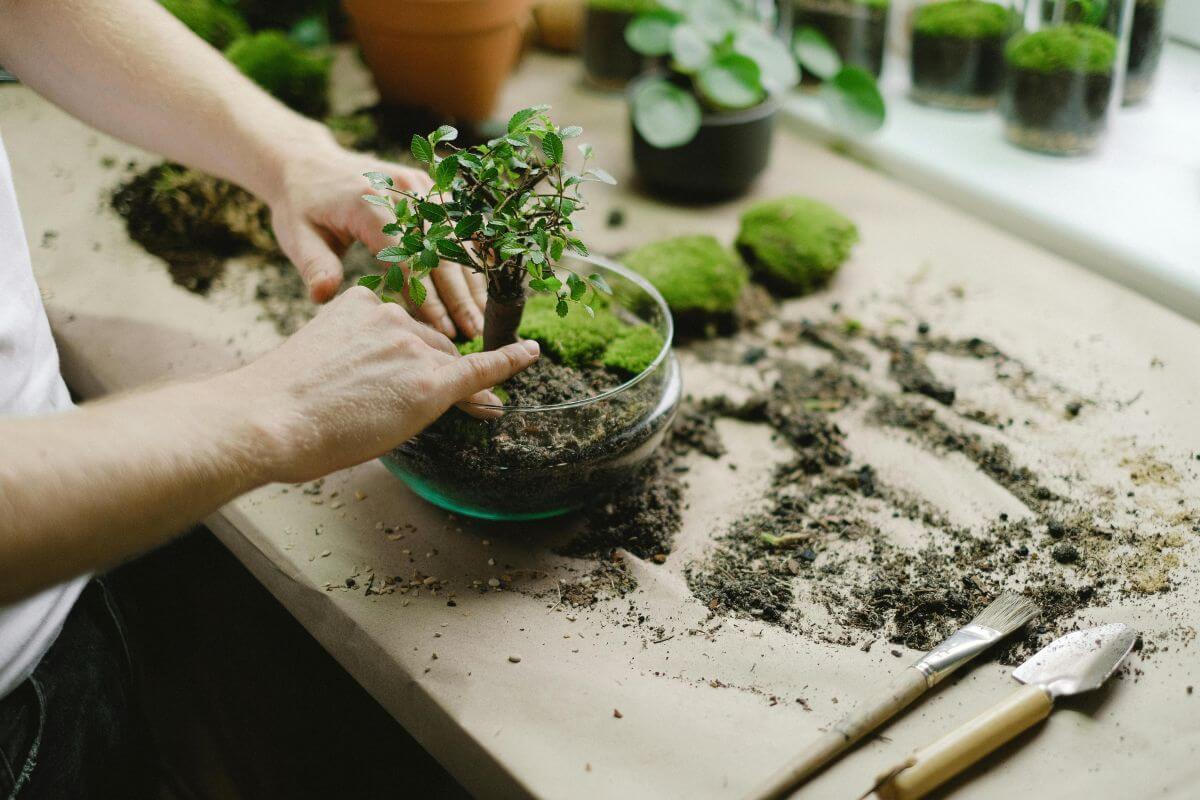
pixel 829 557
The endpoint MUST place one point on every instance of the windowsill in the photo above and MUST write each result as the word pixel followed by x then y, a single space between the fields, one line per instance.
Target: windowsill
pixel 1130 211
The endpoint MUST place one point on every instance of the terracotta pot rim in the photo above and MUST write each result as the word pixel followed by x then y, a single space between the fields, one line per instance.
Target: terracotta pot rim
pixel 440 18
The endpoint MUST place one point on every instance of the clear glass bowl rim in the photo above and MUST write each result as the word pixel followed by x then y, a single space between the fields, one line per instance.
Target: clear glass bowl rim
pixel 662 356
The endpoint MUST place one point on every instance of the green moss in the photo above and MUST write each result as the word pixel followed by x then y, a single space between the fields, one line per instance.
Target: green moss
pixel 213 21
pixel 634 349
pixel 575 339
pixel 285 69
pixel 1063 48
pixel 963 19
pixel 694 274
pixel 624 6
pixel 795 244
pixel 357 131
pixel 579 339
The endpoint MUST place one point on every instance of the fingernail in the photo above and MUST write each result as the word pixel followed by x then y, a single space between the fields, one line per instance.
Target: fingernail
pixel 532 347
pixel 491 399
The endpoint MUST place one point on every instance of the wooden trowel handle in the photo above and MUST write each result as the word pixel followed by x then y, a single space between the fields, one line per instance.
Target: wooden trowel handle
pixel 905 688
pixel 932 766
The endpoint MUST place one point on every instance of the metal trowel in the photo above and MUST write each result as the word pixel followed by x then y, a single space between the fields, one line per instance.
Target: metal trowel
pixel 1072 664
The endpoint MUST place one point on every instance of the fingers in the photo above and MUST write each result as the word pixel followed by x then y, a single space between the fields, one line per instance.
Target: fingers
pixel 434 339
pixel 478 285
pixel 454 291
pixel 318 265
pixel 479 371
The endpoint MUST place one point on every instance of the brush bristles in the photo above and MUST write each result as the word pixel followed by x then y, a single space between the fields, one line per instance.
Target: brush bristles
pixel 1006 613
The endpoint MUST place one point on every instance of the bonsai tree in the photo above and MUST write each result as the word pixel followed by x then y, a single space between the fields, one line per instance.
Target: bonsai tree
pixel 721 56
pixel 502 209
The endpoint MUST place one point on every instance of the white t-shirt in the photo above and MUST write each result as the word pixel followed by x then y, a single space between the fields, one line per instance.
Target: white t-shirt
pixel 30 384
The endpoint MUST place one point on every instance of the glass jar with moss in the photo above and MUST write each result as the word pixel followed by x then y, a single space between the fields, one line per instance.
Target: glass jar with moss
pixel 1059 88
pixel 1146 34
pixel 857 29
pixel 609 63
pixel 958 52
pixel 573 427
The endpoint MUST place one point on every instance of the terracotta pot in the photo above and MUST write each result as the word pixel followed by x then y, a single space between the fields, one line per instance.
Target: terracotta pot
pixel 449 55
pixel 559 23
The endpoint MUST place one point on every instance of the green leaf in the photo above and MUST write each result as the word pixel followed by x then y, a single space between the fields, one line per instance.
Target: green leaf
pixel 578 246
pixel 379 200
pixel 412 243
pixel 597 280
pixel 854 101
pixel 556 249
pixel 650 33
pixel 776 66
pixel 445 172
pixel 714 19
pixel 689 50
pixel 446 133
pixel 468 225
pixel 431 211
pixel 452 250
pixel 422 150
pixel 815 53
pixel 546 284
pixel 602 176
pixel 393 228
pixel 665 115
pixel 428 259
pixel 416 290
pixel 394 280
pixel 552 146
pixel 586 151
pixel 370 281
pixel 518 120
pixel 562 308
pixel 732 81
pixel 571 131
pixel 394 254
pixel 378 179
pixel 577 286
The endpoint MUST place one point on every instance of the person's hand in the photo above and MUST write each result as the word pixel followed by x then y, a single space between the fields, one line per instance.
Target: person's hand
pixel 360 379
pixel 318 211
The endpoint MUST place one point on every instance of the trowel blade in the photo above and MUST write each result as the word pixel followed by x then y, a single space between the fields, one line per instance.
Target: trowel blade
pixel 1078 662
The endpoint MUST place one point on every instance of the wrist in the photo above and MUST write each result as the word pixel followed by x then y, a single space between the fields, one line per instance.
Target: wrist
pixel 302 145
pixel 256 427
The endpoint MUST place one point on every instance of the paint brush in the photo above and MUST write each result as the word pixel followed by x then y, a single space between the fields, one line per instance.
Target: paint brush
pixel 1005 614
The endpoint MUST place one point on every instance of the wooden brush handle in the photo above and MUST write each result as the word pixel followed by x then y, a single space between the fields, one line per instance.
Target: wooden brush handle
pixel 932 766
pixel 906 687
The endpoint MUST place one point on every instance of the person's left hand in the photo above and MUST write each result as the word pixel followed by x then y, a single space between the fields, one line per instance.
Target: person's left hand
pixel 318 212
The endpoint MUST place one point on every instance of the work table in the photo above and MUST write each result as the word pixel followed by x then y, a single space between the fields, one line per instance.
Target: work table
pixel 591 706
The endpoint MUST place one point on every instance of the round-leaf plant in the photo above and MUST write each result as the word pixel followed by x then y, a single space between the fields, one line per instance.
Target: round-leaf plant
pixel 502 209
pixel 723 56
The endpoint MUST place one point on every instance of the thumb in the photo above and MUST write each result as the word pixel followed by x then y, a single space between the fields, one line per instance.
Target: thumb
pixel 319 266
pixel 470 374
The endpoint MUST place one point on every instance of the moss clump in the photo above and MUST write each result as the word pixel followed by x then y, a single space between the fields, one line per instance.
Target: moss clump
pixel 634 349
pixel 214 22
pixel 795 244
pixel 1063 48
pixel 963 19
pixel 358 131
pixel 285 69
pixel 696 275
pixel 578 339
pixel 624 6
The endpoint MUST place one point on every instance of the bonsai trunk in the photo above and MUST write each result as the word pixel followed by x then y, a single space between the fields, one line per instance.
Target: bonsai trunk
pixel 501 318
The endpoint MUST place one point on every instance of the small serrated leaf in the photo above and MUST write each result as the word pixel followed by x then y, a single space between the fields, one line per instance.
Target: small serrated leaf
pixel 422 150
pixel 561 308
pixel 598 282
pixel 468 226
pixel 394 280
pixel 370 281
pixel 378 180
pixel 416 290
pixel 431 211
pixel 379 200
pixel 552 146
pixel 394 254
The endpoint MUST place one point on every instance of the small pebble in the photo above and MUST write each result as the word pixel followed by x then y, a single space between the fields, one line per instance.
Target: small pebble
pixel 324 553
pixel 617 714
pixel 493 582
pixel 515 659
pixel 1065 553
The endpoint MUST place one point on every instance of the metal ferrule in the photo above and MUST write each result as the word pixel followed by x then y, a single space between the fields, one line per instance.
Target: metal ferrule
pixel 951 654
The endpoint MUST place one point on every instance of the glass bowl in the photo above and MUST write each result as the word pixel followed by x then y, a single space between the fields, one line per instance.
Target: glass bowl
pixel 538 461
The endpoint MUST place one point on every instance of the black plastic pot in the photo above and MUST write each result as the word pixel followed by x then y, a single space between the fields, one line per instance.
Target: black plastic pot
pixel 608 62
pixel 857 31
pixel 729 152
pixel 1145 48
pixel 957 73
pixel 1062 113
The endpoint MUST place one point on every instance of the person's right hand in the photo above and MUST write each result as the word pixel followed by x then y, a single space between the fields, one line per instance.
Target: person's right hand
pixel 360 379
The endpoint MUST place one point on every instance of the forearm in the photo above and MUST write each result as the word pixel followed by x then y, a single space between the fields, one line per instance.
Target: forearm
pixel 85 489
pixel 131 69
